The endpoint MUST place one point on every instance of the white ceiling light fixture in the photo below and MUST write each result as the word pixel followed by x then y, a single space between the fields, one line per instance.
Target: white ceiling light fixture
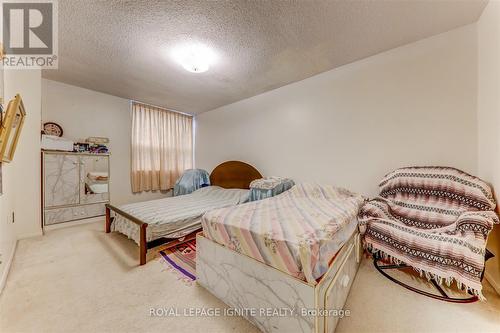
pixel 194 57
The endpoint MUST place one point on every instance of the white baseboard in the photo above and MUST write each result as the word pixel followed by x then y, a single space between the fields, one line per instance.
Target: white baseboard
pixel 73 223
pixel 8 263
pixel 30 234
pixel 494 284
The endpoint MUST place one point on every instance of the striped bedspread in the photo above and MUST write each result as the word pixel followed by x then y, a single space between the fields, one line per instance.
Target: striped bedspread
pixel 176 217
pixel 435 219
pixel 297 232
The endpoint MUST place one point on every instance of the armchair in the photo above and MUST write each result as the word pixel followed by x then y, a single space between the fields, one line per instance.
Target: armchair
pixel 434 219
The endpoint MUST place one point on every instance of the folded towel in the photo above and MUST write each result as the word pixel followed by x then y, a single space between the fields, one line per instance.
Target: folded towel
pixel 98 175
pixel 98 188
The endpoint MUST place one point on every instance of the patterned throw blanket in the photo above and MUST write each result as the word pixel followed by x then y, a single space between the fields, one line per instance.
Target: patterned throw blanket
pixel 434 219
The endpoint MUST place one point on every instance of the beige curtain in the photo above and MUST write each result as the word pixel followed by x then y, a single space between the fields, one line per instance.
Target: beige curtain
pixel 162 147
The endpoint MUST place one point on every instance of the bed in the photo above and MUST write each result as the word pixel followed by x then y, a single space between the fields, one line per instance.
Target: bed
pixel 175 220
pixel 298 251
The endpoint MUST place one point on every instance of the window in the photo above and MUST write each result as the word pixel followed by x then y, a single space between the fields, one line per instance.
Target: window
pixel 162 147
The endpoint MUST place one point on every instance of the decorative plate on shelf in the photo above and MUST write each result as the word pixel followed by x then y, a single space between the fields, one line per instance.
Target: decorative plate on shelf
pixel 52 129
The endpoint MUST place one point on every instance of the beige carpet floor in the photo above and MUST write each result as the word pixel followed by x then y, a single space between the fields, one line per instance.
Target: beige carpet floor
pixel 80 279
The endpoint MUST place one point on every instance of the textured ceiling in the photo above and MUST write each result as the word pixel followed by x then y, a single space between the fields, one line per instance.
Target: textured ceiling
pixel 122 47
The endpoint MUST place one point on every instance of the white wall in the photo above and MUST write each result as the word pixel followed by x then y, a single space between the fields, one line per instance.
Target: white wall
pixel 489 118
pixel 83 113
pixel 414 105
pixel 21 177
pixel 489 93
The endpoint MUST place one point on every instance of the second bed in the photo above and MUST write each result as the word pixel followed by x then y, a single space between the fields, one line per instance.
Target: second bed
pixel 298 252
pixel 175 220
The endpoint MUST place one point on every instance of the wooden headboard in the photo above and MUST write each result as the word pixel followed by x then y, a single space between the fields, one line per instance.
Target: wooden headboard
pixel 234 174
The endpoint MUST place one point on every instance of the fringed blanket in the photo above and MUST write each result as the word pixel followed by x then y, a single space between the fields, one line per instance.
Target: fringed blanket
pixel 434 219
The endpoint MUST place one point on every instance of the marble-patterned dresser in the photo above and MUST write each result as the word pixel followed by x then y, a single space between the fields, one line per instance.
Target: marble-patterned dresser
pixel 75 186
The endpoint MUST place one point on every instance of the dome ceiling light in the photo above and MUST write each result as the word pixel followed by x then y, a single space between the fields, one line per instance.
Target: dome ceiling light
pixel 195 57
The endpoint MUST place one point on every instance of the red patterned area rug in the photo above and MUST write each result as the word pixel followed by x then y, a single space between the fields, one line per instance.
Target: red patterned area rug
pixel 181 259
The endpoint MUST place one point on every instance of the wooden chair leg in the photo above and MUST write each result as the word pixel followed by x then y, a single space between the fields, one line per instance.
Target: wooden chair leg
pixel 143 247
pixel 108 220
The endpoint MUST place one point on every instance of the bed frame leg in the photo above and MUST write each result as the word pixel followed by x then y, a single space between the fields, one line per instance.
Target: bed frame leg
pixel 108 220
pixel 143 246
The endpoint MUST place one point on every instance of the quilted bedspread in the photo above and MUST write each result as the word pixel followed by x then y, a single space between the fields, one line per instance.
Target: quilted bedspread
pixel 175 217
pixel 297 232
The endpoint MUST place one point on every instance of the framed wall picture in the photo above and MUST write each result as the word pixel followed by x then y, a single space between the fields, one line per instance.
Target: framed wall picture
pixel 11 126
pixel 1 74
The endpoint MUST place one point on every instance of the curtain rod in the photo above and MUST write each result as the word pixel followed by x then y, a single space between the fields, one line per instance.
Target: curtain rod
pixel 161 107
